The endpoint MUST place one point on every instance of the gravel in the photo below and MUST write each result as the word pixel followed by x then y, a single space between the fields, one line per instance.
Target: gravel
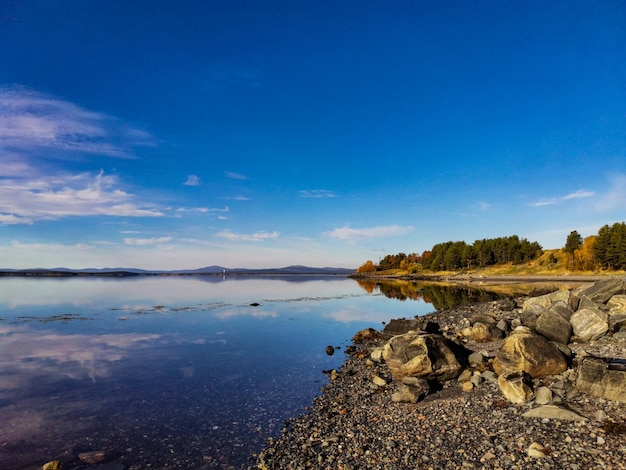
pixel 354 424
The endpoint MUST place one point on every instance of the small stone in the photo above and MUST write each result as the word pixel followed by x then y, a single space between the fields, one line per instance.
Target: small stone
pixel 467 386
pixel 93 457
pixel 543 396
pixel 599 416
pixel 536 451
pixel 379 381
pixel 600 440
pixel 53 465
pixel 465 376
pixel 330 350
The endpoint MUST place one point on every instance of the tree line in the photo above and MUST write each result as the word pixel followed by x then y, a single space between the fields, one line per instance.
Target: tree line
pixel 606 250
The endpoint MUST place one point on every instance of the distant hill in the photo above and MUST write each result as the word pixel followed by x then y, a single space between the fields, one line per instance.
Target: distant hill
pixel 208 270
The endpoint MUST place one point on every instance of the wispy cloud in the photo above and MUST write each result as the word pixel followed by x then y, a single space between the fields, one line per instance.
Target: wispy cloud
pixel 147 241
pixel 203 210
pixel 580 194
pixel 253 237
pixel 235 176
pixel 192 180
pixel 236 198
pixel 316 193
pixel 30 120
pixel 369 233
pixel 25 201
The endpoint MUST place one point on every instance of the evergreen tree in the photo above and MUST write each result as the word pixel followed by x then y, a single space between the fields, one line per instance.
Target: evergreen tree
pixel 573 243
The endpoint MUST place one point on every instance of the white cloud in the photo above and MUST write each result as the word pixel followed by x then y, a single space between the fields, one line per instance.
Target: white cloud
pixel 253 237
pixel 580 194
pixel 235 176
pixel 25 201
pixel 31 120
pixel 369 233
pixel 192 180
pixel 146 241
pixel 203 209
pixel 316 193
pixel 236 198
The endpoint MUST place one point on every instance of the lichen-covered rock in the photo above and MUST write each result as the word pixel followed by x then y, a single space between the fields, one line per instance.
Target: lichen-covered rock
pixel 602 378
pixel 424 355
pixel 589 323
pixel 529 352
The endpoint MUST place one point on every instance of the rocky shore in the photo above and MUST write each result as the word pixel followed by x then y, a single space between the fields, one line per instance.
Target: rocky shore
pixel 532 382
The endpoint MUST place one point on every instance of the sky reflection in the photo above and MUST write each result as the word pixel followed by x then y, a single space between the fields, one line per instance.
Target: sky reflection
pixel 162 357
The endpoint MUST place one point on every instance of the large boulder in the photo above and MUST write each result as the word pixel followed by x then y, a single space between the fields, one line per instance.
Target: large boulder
pixel 554 323
pixel 589 323
pixel 547 300
pixel 529 352
pixel 603 378
pixel 602 291
pixel 424 355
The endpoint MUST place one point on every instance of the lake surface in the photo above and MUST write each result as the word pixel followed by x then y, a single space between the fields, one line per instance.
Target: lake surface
pixel 170 372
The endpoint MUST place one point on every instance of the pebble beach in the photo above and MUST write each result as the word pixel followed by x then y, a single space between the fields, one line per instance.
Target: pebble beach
pixel 354 424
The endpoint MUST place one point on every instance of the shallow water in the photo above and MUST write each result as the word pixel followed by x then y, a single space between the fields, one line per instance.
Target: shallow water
pixel 169 372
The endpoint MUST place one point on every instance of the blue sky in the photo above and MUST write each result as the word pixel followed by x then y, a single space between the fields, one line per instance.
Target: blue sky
pixel 167 135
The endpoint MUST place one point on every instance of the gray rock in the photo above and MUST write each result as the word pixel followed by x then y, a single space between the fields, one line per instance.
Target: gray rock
pixel 553 325
pixel 604 378
pixel 503 325
pixel 602 291
pixel 531 313
pixel 547 300
pixel 617 322
pixel 589 323
pixel 554 412
pixel 476 358
pixel 489 376
pixel 562 308
pixel 543 396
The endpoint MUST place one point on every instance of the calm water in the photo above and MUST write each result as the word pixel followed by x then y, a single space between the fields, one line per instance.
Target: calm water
pixel 175 372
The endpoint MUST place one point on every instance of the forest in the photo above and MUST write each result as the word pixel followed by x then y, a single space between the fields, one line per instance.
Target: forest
pixel 606 250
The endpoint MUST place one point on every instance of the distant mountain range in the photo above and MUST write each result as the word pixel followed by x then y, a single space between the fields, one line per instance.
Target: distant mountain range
pixel 209 270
